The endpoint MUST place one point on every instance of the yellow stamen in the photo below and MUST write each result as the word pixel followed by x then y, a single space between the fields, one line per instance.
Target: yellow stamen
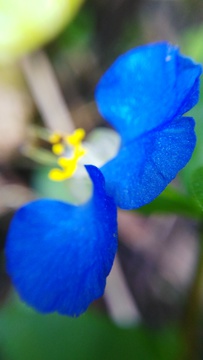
pixel 75 138
pixel 79 151
pixel 55 138
pixel 64 173
pixel 58 149
pixel 68 165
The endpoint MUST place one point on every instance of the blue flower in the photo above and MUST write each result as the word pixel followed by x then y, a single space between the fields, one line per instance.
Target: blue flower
pixel 59 255
pixel 143 96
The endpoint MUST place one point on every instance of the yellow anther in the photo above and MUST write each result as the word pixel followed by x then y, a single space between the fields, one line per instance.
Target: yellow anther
pixel 76 137
pixel 79 151
pixel 61 175
pixel 57 175
pixel 55 138
pixel 64 162
pixel 68 165
pixel 58 149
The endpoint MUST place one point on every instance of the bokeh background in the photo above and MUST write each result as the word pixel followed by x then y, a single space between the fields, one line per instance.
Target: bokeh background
pixel 52 55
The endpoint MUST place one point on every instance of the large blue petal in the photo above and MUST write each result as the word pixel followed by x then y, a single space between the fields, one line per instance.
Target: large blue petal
pixel 59 255
pixel 144 167
pixel 146 87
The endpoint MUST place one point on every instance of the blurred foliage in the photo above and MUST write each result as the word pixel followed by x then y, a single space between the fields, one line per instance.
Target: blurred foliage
pixel 197 157
pixel 172 201
pixel 78 34
pixel 197 185
pixel 25 335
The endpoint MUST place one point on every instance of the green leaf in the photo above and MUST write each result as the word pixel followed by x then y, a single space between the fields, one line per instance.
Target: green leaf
pixel 25 334
pixel 191 45
pixel 172 201
pixel 197 157
pixel 197 185
pixel 78 34
pixel 191 42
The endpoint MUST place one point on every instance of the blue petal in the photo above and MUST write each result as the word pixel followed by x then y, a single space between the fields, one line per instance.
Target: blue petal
pixel 144 167
pixel 59 255
pixel 146 87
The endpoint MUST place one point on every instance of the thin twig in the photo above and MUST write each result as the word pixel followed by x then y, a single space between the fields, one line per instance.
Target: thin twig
pixel 46 92
pixel 119 300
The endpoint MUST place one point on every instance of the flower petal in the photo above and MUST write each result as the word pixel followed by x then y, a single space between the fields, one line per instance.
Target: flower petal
pixel 146 87
pixel 59 255
pixel 144 167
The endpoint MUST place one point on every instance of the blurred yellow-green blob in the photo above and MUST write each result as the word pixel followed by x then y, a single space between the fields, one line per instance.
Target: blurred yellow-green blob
pixel 26 25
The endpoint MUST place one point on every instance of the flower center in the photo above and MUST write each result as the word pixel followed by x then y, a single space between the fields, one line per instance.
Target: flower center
pixel 60 146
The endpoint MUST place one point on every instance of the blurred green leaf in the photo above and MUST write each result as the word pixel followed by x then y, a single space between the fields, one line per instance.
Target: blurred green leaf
pixel 191 42
pixel 197 157
pixel 197 185
pixel 25 334
pixel 79 33
pixel 172 201
pixel 191 45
